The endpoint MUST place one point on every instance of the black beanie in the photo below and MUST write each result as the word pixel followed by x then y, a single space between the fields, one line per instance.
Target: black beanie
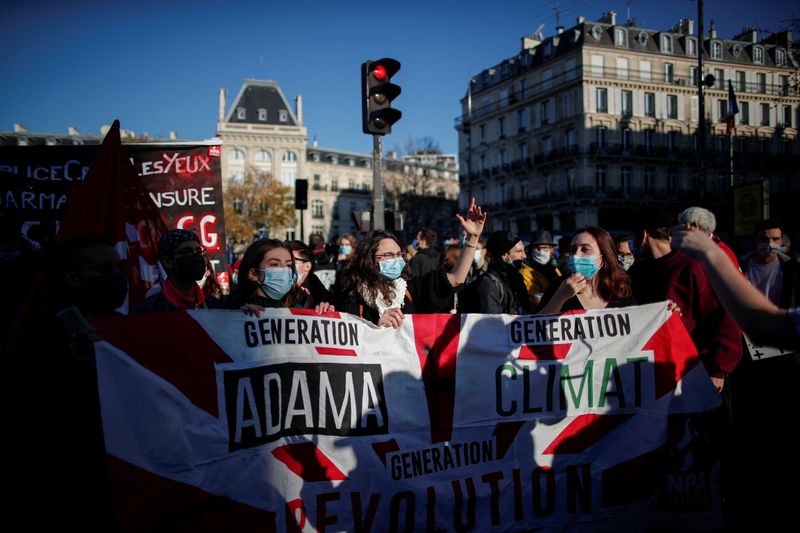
pixel 500 242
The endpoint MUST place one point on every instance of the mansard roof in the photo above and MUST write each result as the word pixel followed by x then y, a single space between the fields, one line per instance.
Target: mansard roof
pixel 258 95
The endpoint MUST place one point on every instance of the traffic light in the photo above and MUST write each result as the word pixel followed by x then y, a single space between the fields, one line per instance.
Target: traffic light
pixel 300 194
pixel 377 93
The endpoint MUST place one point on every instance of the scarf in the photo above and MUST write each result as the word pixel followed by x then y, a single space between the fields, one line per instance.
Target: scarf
pixel 379 302
pixel 181 301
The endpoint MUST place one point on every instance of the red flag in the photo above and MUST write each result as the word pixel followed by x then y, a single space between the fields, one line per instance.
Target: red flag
pixel 113 203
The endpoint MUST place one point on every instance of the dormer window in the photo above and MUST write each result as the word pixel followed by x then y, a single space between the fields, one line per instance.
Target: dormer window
pixel 736 50
pixel 642 38
pixel 716 50
pixel 666 44
pixel 758 54
pixel 691 47
pixel 621 37
pixel 283 115
pixel 241 113
pixel 780 58
pixel 597 32
pixel 262 115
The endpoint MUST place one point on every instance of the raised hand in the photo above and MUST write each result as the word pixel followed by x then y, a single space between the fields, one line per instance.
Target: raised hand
pixel 473 223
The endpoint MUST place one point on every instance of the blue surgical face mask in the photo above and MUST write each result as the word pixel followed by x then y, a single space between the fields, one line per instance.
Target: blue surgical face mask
pixel 277 281
pixel 392 268
pixel 583 264
pixel 345 249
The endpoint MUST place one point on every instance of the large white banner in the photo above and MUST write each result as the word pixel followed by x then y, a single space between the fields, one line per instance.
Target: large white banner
pixel 295 421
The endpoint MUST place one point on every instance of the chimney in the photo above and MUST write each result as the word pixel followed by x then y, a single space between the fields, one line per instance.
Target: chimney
pixel 580 20
pixel 173 136
pixel 559 30
pixel 71 130
pixel 298 109
pixel 221 105
pixel 781 38
pixel 19 128
pixel 609 18
pixel 712 33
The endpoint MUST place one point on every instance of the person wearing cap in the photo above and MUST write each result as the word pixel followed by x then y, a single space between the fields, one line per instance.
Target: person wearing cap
pixel 502 289
pixel 183 259
pixel 540 269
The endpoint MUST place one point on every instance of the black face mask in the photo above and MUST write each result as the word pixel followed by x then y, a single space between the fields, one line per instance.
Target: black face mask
pixel 192 267
pixel 103 294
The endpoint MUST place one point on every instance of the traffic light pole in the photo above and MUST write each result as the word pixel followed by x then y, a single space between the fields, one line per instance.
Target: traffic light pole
pixel 378 221
pixel 701 106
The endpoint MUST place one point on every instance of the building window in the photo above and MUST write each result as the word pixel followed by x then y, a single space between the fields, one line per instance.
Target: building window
pixel 317 209
pixel 622 68
pixel 763 146
pixel 600 172
pixel 523 152
pixel 762 82
pixel 625 177
pixel 666 44
pixel 691 46
pixel 283 115
pixel 693 75
pixel 669 73
pixel 716 50
pixel 236 155
pixel 289 156
pixel 626 103
pixel 722 109
pixel 569 140
pixel 601 137
pixel 645 68
pixel 650 104
pixel 642 38
pixel 568 103
pixel 502 124
pixel 317 186
pixel 672 106
pixel 334 184
pixel 547 145
pixel 627 139
pixel 672 141
pixel 780 58
pixel 544 111
pixel 719 74
pixel 483 132
pixel 744 113
pixel 263 156
pixel 765 114
pixel 521 120
pixel 597 65
pixel 501 158
pixel 758 54
pixel 787 116
pixel 649 134
pixel 602 100
pixel 482 163
pixel 241 113
pixel 649 180
pixel 522 88
pixel 741 81
pixel 672 181
pixel 621 37
pixel 262 115
pixel 597 32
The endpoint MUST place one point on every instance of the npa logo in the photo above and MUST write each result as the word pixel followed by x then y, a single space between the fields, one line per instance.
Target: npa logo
pixel 214 151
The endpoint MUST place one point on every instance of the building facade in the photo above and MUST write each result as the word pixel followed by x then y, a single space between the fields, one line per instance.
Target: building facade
pixel 584 126
pixel 260 132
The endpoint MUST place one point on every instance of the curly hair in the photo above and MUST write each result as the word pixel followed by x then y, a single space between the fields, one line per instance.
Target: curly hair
pixel 363 271
pixel 245 291
pixel 613 283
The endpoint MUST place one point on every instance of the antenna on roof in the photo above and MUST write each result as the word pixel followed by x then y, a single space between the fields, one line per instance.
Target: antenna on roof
pixel 628 4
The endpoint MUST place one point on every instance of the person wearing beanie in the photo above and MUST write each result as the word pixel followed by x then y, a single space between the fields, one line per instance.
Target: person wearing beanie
pixel 502 289
pixel 183 259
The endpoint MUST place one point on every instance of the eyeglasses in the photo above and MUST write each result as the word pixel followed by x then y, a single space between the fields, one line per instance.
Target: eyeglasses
pixel 388 256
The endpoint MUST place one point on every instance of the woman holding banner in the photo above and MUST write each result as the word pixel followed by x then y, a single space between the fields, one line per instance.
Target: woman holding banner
pixel 377 284
pixel 267 276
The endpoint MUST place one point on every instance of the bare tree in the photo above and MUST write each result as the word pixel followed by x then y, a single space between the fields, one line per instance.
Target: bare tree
pixel 257 202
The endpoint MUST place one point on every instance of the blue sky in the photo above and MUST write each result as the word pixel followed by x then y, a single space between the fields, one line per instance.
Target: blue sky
pixel 158 66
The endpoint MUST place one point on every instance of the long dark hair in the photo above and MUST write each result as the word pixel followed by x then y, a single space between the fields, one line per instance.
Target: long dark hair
pixel 362 269
pixel 245 291
pixel 613 283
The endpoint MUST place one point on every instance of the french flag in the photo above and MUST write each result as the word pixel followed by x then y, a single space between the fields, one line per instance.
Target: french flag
pixel 733 108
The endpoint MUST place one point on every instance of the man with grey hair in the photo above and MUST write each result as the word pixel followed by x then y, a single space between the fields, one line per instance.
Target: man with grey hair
pixel 704 220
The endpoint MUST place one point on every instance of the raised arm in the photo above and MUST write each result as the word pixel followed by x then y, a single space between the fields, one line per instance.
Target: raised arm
pixel 762 320
pixel 473 227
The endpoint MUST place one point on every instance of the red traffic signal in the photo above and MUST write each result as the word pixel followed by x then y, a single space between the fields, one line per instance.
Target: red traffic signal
pixel 377 93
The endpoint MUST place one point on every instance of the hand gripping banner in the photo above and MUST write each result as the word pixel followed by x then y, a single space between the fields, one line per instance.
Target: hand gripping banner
pixel 301 422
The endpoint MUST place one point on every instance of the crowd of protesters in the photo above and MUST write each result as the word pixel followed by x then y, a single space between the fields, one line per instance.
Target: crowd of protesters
pixel 380 278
